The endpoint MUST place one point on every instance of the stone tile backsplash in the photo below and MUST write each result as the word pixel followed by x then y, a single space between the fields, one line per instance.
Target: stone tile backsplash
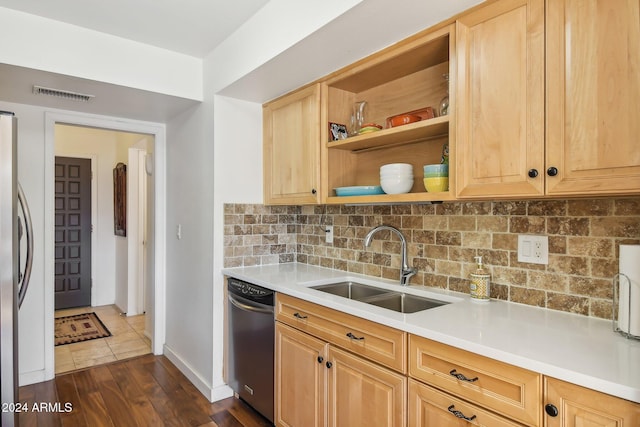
pixel 584 236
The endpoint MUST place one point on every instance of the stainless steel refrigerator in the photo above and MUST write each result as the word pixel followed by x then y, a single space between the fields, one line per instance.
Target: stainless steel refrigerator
pixel 15 264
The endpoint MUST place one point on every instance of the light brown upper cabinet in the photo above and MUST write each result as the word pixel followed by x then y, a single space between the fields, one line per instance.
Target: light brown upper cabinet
pixel 591 101
pixel 500 106
pixel 291 148
pixel 593 97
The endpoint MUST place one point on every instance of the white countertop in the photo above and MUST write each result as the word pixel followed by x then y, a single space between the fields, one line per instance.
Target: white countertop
pixel 578 349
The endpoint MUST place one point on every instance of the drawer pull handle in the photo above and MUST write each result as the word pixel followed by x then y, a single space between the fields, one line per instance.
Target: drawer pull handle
pixel 460 414
pixel 353 337
pixel 299 316
pixel 461 377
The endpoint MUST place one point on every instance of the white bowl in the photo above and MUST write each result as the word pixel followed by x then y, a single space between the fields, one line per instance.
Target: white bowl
pixel 396 185
pixel 396 175
pixel 397 167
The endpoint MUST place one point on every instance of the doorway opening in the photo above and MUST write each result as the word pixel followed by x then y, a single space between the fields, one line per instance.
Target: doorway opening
pixel 127 277
pixel 114 285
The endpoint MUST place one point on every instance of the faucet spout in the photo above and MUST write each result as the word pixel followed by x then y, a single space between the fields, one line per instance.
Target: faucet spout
pixel 406 272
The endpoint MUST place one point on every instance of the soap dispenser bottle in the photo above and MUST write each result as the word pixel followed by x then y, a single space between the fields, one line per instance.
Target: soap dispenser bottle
pixel 480 282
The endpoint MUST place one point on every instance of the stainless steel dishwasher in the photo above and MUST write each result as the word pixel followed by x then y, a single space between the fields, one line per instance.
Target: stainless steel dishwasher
pixel 251 344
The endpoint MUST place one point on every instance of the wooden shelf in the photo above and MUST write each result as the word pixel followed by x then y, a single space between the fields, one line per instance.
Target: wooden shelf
pixel 391 198
pixel 428 129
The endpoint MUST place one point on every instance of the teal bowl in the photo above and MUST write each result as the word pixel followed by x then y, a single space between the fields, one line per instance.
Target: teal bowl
pixel 437 170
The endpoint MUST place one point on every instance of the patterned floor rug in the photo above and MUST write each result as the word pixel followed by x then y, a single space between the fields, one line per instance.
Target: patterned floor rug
pixel 79 327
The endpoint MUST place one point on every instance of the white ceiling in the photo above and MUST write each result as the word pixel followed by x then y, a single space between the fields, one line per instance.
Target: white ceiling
pixel 192 27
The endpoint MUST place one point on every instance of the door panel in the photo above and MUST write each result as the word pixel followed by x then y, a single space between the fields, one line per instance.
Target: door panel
pixel 362 393
pixel 500 121
pixel 593 96
pixel 72 232
pixel 300 379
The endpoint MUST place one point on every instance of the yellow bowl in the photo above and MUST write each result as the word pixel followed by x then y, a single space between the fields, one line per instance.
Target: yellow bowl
pixel 437 184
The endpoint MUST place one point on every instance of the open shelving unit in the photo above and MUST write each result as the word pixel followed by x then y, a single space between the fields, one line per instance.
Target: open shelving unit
pixel 402 78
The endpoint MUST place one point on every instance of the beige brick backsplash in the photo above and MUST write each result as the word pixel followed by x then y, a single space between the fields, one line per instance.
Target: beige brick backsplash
pixel 584 236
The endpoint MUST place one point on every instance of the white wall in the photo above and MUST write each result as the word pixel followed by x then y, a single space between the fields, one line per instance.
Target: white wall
pixel 44 44
pixel 189 319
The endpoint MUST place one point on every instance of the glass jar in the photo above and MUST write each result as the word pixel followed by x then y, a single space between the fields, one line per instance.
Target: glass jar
pixel 444 104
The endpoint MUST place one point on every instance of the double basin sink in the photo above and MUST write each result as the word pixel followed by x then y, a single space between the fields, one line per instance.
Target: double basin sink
pixel 392 300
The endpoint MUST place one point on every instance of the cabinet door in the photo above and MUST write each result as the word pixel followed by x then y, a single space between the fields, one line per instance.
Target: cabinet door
pixel 577 406
pixel 593 96
pixel 300 394
pixel 362 393
pixel 429 407
pixel 500 100
pixel 292 148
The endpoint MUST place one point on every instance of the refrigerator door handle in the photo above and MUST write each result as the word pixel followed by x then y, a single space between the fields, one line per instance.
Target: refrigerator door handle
pixel 24 277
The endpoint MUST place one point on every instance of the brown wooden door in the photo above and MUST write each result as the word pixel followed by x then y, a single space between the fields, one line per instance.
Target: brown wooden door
pixel 300 378
pixel 292 148
pixel 499 150
pixel 362 393
pixel 593 97
pixel 577 406
pixel 72 232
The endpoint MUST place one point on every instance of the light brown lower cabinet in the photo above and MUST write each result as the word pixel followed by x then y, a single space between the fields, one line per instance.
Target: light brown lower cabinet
pixel 325 381
pixel 429 407
pixel 301 378
pixel 315 381
pixel 362 393
pixel 569 405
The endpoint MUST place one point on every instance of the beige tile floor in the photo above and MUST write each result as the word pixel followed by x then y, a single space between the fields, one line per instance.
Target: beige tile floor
pixel 127 340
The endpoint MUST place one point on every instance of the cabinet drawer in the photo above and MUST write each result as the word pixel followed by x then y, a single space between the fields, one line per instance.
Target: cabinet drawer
pixel 376 342
pixel 503 388
pixel 429 407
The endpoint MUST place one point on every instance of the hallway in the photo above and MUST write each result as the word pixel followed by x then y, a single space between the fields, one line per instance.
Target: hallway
pixel 127 340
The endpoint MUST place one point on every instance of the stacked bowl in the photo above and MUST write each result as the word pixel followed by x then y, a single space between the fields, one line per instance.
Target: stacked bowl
pixel 436 178
pixel 396 178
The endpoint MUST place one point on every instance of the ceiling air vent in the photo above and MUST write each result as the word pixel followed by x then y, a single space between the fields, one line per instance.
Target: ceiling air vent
pixel 73 96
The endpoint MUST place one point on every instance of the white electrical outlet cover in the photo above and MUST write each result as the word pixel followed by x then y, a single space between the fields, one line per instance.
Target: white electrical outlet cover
pixel 533 249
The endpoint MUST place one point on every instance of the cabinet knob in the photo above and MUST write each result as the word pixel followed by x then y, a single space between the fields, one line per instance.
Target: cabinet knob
pixel 552 171
pixel 551 410
pixel 313 191
pixel 320 359
pixel 533 173
pixel 329 365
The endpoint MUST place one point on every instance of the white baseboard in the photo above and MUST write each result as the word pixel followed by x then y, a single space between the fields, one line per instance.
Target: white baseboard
pixel 213 394
pixel 221 392
pixel 33 377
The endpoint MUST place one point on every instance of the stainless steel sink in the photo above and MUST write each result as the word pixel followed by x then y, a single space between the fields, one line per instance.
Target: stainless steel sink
pixel 351 290
pixel 404 303
pixel 392 300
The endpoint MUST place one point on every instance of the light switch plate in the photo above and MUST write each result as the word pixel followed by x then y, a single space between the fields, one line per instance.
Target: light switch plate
pixel 533 249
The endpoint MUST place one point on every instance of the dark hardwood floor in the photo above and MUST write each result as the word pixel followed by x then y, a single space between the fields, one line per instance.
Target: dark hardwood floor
pixel 144 391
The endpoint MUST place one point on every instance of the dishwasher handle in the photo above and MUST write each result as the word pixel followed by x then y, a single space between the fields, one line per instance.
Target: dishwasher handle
pixel 254 307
